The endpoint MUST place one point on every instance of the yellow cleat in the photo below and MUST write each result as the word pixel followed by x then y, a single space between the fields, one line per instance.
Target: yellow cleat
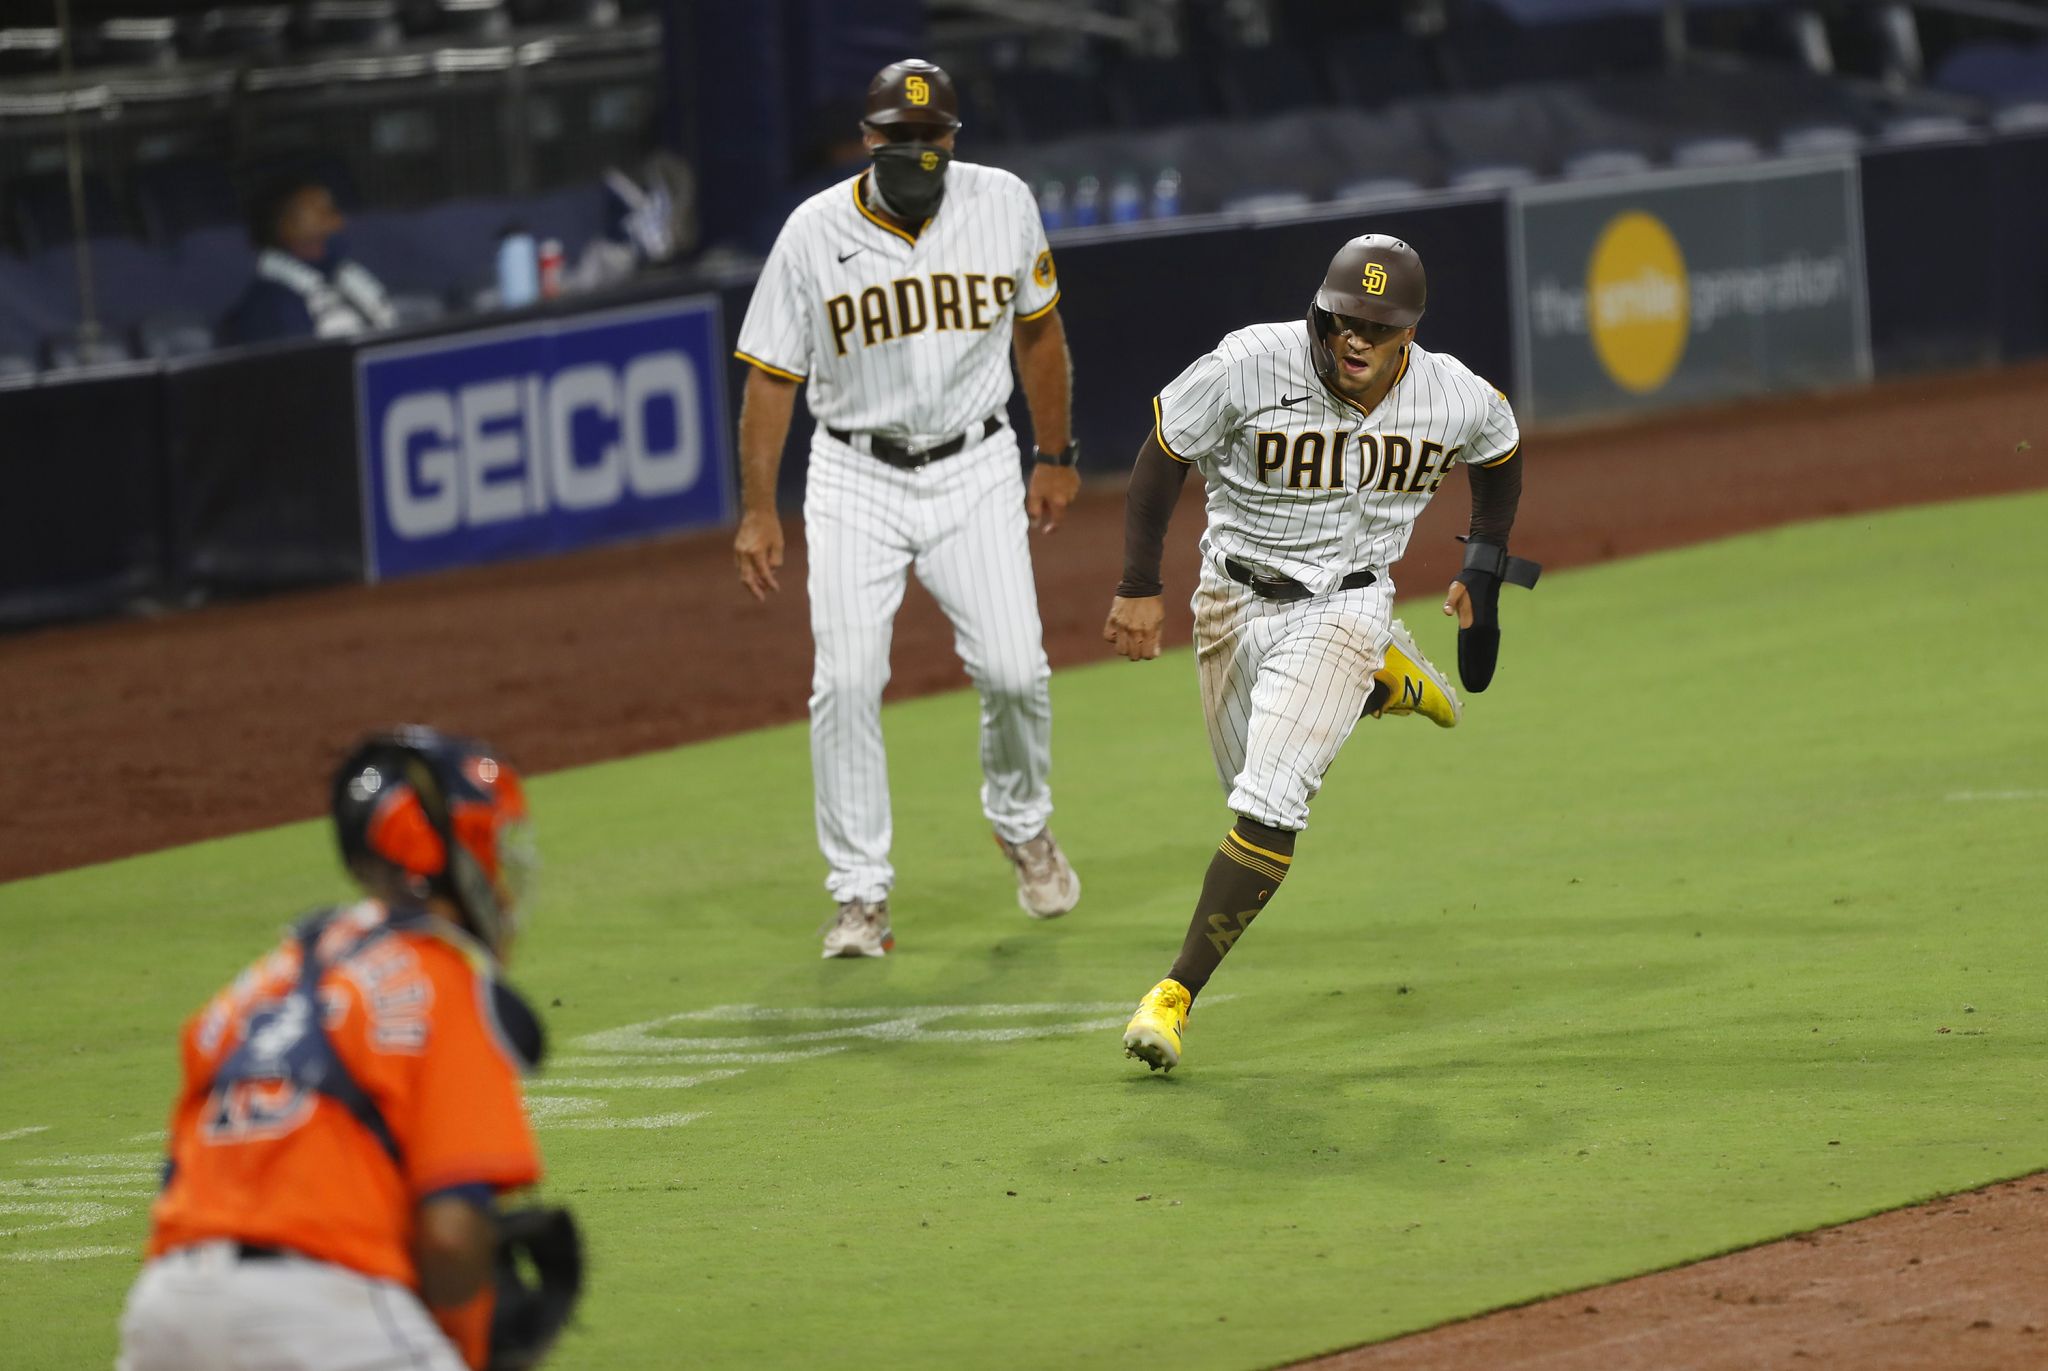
pixel 1416 686
pixel 1153 1035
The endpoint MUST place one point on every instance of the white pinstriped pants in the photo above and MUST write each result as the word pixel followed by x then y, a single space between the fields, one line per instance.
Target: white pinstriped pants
pixel 1282 686
pixel 960 523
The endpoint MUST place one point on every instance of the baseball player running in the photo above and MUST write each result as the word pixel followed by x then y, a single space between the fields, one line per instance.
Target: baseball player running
pixel 896 298
pixel 1320 442
pixel 350 1109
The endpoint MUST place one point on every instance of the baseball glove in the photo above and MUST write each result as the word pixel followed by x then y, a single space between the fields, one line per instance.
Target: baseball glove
pixel 1487 565
pixel 539 1276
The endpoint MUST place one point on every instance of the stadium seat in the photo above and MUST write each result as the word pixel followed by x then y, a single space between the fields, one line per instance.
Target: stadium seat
pixel 1149 93
pixel 164 337
pixel 1371 68
pixel 2028 116
pixel 1923 128
pixel 476 21
pixel 415 308
pixel 26 51
pixel 151 42
pixel 130 280
pixel 1363 146
pixel 1482 136
pixel 1714 151
pixel 1493 176
pixel 349 23
pixel 1035 106
pixel 602 14
pixel 1374 188
pixel 39 209
pixel 69 352
pixel 176 196
pixel 1269 204
pixel 1584 166
pixel 211 268
pixel 1269 80
pixel 1998 72
pixel 1816 139
pixel 259 33
pixel 1489 50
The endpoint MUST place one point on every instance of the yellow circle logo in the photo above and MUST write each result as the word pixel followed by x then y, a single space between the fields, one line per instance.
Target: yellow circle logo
pixel 929 161
pixel 1638 301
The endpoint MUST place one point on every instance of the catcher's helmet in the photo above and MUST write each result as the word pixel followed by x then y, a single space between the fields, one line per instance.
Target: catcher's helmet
pixel 421 813
pixel 912 91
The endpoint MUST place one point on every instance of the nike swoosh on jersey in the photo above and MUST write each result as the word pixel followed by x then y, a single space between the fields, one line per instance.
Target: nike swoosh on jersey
pixel 1287 403
pixel 844 256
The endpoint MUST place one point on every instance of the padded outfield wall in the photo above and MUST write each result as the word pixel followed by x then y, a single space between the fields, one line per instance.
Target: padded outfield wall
pixel 165 484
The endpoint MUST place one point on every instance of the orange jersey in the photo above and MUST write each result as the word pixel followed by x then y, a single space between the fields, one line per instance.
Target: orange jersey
pixel 413 1012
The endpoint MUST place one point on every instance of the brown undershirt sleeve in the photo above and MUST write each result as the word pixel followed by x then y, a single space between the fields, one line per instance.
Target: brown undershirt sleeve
pixel 1496 491
pixel 1156 481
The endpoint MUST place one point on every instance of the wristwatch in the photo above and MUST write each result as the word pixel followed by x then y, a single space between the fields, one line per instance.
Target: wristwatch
pixel 1068 456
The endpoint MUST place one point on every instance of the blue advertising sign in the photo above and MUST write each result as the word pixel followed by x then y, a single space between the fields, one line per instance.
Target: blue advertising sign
pixel 542 437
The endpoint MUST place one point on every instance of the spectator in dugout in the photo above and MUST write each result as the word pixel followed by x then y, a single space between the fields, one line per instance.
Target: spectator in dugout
pixel 305 285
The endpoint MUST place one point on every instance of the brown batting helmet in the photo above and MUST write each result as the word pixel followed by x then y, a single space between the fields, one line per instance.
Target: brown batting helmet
pixel 1375 277
pixel 912 91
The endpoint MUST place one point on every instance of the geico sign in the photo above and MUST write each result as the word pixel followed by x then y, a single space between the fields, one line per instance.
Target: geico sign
pixel 504 449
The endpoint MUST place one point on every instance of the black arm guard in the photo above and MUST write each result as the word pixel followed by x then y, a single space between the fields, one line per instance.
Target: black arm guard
pixel 1487 565
pixel 539 1276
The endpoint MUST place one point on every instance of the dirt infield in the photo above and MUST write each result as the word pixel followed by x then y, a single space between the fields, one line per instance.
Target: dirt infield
pixel 126 737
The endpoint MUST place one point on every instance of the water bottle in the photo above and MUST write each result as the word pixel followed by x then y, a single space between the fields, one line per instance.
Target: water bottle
pixel 1126 202
pixel 550 263
pixel 1087 202
pixel 1166 194
pixel 518 269
pixel 1052 205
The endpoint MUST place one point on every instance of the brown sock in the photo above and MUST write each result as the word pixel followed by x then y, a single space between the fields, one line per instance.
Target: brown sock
pixel 1243 875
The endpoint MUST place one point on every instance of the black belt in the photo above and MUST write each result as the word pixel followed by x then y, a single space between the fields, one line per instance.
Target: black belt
pixel 897 455
pixel 256 1252
pixel 1286 587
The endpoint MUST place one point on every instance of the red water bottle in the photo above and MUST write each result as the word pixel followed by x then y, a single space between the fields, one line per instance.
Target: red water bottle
pixel 550 268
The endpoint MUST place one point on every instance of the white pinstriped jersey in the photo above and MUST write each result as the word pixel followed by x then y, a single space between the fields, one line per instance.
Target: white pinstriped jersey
pixel 1303 483
pixel 896 334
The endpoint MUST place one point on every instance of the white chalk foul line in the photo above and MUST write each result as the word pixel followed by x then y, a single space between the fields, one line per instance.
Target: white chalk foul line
pixel 11 1134
pixel 80 1185
pixel 57 1214
pixel 762 1058
pixel 644 1121
pixel 101 1161
pixel 910 1023
pixel 637 1082
pixel 70 1254
pixel 1968 795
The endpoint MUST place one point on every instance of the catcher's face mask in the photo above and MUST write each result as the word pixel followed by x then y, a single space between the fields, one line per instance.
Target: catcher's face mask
pixel 422 814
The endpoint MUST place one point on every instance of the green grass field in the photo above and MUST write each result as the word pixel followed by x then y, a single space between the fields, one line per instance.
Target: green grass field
pixel 1718 919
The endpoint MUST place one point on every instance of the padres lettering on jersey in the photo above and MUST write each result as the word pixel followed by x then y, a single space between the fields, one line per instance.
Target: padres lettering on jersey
pixel 902 333
pixel 1300 481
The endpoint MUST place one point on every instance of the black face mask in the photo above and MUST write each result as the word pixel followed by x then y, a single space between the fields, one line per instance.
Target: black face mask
pixel 911 178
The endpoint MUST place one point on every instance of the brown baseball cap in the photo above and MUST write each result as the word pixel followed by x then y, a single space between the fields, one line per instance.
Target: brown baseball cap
pixel 1378 278
pixel 912 91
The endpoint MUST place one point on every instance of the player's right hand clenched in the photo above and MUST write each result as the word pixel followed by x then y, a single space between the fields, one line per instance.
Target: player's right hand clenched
pixel 757 551
pixel 1133 626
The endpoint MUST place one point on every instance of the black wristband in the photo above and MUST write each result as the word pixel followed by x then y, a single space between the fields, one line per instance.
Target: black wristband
pixel 1068 456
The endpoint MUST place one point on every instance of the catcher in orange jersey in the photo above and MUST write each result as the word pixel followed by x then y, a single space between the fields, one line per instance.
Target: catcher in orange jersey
pixel 350 1111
